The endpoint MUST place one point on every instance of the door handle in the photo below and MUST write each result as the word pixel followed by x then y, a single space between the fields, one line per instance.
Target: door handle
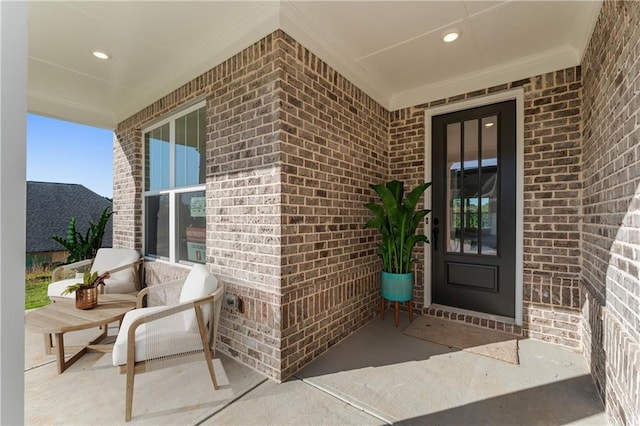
pixel 435 232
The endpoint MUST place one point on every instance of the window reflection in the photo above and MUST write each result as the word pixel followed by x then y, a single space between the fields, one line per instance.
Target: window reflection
pixel 190 148
pixel 191 227
pixel 489 186
pixel 157 225
pixel 454 185
pixel 156 146
pixel 470 176
pixel 472 164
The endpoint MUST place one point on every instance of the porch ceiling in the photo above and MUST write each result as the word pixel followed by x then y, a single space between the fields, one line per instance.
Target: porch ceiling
pixel 390 49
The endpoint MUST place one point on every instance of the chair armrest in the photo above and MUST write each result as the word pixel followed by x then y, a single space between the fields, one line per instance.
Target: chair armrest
pixel 173 310
pixel 170 310
pixel 59 273
pixel 157 287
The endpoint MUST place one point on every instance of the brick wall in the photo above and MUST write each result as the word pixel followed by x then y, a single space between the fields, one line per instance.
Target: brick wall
pixel 552 204
pixel 243 195
pixel 611 230
pixel 292 147
pixel 406 163
pixel 244 201
pixel 127 188
pixel 334 144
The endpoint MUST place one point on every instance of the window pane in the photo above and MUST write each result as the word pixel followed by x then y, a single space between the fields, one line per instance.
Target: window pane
pixel 454 185
pixel 489 182
pixel 156 161
pixel 470 187
pixel 157 225
pixel 190 149
pixel 191 226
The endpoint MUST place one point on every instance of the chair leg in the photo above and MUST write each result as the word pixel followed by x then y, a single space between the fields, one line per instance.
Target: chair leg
pixel 397 315
pixel 205 346
pixel 129 398
pixel 208 357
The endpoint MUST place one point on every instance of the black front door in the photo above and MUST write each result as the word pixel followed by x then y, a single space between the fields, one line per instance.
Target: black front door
pixel 474 209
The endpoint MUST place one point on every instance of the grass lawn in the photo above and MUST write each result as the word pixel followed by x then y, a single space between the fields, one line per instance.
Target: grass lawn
pixel 36 282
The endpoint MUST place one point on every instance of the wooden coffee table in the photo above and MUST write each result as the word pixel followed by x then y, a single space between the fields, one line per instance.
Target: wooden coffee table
pixel 61 317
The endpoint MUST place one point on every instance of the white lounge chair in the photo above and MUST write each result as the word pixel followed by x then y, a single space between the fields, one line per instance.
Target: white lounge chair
pixel 123 265
pixel 161 336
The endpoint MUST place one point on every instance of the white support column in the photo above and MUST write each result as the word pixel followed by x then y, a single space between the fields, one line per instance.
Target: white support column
pixel 13 119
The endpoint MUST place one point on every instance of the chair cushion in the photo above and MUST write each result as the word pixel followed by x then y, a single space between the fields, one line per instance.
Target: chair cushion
pixel 110 258
pixel 120 287
pixel 166 337
pixel 106 259
pixel 112 286
pixel 199 283
pixel 56 288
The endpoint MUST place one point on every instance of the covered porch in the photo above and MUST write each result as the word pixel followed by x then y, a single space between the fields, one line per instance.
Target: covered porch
pixel 299 119
pixel 378 375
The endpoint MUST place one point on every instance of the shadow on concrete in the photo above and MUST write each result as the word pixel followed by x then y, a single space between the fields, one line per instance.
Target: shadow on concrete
pixel 559 402
pixel 376 344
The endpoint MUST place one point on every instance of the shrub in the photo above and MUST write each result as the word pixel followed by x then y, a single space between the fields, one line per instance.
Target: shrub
pixel 85 246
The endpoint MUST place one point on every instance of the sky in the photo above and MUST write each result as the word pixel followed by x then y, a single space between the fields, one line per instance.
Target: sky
pixel 60 151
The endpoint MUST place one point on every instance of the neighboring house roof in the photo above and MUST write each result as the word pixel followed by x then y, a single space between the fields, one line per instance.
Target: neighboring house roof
pixel 50 207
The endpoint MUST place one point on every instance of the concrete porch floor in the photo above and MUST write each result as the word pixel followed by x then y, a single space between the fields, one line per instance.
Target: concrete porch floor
pixel 377 376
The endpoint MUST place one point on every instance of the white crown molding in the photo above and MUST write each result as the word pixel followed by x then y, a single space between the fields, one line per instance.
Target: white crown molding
pixel 551 60
pixel 306 32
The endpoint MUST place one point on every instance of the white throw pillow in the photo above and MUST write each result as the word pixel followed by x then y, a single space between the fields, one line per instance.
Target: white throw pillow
pixel 199 283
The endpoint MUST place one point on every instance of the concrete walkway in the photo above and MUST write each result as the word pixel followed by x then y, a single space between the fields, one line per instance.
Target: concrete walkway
pixel 377 376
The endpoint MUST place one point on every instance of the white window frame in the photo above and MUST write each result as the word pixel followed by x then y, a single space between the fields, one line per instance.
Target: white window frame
pixel 172 191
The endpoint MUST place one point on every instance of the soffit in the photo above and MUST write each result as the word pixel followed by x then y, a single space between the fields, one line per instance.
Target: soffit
pixel 390 49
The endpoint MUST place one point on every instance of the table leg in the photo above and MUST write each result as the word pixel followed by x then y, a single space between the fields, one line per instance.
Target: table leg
pixel 60 352
pixel 383 306
pixel 48 344
pixel 410 310
pixel 101 336
pixel 62 364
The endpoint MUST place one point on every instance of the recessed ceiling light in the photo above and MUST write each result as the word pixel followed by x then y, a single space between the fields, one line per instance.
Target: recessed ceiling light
pixel 451 35
pixel 489 124
pixel 100 54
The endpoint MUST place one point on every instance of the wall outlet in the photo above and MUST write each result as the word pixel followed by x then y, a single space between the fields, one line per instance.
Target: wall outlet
pixel 234 302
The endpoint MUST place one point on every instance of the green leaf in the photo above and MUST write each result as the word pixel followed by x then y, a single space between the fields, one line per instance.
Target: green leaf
pixel 414 196
pixel 84 246
pixel 398 224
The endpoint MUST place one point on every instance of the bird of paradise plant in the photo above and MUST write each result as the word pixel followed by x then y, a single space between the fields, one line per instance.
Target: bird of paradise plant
pixel 398 221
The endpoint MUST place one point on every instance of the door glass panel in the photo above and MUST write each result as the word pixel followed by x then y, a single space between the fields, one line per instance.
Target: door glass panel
pixel 470 172
pixel 489 187
pixel 454 188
